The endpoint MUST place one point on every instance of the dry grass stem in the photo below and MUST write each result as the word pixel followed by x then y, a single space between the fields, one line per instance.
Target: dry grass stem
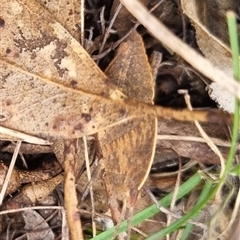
pixel 175 192
pixel 31 208
pixel 16 135
pixel 209 142
pixel 140 232
pixel 10 169
pixel 106 34
pixel 216 141
pixel 186 167
pixel 90 189
pixel 234 216
pixel 207 139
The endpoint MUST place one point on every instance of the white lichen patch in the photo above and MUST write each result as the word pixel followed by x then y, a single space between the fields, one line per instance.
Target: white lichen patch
pixel 222 97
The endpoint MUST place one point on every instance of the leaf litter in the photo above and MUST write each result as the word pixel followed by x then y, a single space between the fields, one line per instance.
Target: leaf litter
pixel 30 65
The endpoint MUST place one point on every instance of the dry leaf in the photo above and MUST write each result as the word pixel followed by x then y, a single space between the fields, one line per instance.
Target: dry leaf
pixel 35 42
pixel 19 177
pixel 67 13
pixel 124 20
pixel 14 182
pixel 175 135
pixel 51 111
pixel 212 14
pixel 27 148
pixel 33 192
pixel 202 15
pixel 130 70
pixel 36 226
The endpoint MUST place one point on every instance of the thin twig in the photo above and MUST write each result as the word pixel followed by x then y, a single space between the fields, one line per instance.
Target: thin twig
pixel 106 34
pixel 23 160
pixel 117 43
pixel 186 167
pixel 70 195
pixel 140 232
pixel 102 20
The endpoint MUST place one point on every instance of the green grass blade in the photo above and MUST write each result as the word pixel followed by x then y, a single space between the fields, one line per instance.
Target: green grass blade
pixel 204 193
pixel 178 223
pixel 235 171
pixel 234 43
pixel 233 37
pixel 184 189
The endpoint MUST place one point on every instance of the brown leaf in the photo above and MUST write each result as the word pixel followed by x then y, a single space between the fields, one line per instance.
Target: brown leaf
pixel 212 47
pixel 67 13
pixel 36 226
pixel 33 192
pixel 124 21
pixel 175 136
pixel 208 19
pixel 212 14
pixel 35 42
pixel 39 190
pixel 130 70
pixel 19 177
pixel 14 182
pixel 27 148
pixel 51 111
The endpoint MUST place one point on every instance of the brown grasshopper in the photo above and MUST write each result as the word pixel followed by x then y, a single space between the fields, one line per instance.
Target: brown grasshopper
pixel 51 89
